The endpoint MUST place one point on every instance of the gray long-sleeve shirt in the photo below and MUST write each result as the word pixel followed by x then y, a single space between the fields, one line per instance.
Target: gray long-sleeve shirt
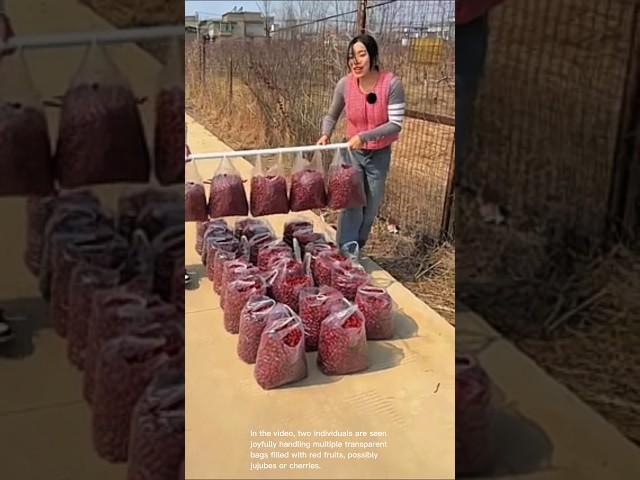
pixel 396 109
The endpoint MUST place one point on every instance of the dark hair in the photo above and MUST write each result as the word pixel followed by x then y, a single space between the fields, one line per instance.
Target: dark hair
pixel 370 45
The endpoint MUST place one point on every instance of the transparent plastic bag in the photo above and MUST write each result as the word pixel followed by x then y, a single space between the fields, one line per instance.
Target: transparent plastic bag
pixel 86 279
pixel 315 305
pixel 348 276
pixel 168 247
pixel 26 160
pixel 202 227
pixel 101 137
pixel 221 257
pixel 248 227
pixel 474 415
pixel 346 183
pixel 39 210
pixel 313 249
pixel 134 209
pixel 376 305
pixel 271 253
pixel 281 357
pixel 305 236
pixel 124 368
pixel 307 190
pixel 292 226
pixel 236 297
pixel 342 343
pixel 156 445
pixel 114 310
pixel 233 270
pixel 324 263
pixel 169 135
pixel 255 243
pixel 227 196
pixel 253 319
pixel 195 198
pixel 216 238
pixel 229 244
pixel 291 277
pixel 268 189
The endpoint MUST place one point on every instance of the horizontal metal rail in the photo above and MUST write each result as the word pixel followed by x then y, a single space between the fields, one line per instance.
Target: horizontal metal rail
pixel 265 151
pixel 71 39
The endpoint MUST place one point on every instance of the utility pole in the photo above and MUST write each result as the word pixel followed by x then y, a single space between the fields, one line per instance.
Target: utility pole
pixel 361 18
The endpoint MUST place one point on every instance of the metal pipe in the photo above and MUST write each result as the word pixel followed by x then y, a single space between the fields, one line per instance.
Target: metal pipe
pixel 266 151
pixel 70 39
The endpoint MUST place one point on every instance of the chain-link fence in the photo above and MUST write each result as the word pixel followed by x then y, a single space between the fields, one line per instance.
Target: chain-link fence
pixel 549 122
pixel 284 86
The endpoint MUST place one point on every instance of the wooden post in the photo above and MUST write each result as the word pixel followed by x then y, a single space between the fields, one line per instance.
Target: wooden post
pixel 361 18
pixel 445 228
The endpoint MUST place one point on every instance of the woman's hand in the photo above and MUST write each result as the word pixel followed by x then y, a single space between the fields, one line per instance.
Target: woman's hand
pixel 323 140
pixel 355 143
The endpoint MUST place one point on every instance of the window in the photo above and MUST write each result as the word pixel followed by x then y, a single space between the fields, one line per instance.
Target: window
pixel 226 27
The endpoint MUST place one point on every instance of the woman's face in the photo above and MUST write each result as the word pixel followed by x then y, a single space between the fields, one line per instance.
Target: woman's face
pixel 359 61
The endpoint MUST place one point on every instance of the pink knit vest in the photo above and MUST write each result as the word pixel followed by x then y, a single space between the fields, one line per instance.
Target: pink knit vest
pixel 361 116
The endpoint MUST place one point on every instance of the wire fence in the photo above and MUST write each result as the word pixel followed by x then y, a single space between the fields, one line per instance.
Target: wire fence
pixel 551 120
pixel 281 87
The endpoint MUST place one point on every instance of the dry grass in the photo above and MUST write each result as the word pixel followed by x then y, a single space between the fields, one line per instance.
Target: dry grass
pixel 574 312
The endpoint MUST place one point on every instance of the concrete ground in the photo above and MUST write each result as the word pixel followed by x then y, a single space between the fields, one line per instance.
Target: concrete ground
pixel 407 392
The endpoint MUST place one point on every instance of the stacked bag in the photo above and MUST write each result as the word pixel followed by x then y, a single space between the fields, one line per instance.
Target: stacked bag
pixel 111 295
pixel 287 296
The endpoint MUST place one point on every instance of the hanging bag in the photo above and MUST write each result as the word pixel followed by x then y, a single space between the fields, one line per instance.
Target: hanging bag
pixel 346 183
pixel 227 196
pixel 268 189
pixel 101 138
pixel 169 137
pixel 26 163
pixel 195 199
pixel 307 184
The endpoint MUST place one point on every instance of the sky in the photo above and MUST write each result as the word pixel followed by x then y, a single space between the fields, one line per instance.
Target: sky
pixel 218 7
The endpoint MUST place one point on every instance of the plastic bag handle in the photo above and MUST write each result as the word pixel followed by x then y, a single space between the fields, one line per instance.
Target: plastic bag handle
pixel 297 251
pixel 346 250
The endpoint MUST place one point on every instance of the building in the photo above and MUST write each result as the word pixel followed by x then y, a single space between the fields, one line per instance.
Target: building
pixel 234 24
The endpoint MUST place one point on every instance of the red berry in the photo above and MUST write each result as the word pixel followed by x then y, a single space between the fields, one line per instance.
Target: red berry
pixel 345 189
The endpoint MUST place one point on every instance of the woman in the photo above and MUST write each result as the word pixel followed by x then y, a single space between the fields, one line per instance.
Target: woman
pixel 374 103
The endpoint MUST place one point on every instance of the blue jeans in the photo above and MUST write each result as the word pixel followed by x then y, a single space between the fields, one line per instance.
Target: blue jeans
pixel 354 224
pixel 471 51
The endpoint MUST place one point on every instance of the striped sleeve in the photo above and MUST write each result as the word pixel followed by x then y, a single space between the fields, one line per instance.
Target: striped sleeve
pixel 397 103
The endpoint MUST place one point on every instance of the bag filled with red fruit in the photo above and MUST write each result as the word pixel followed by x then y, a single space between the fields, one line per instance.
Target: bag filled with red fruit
pixel 281 357
pixel 169 133
pixel 307 190
pixel 101 137
pixel 253 319
pixel 342 343
pixel 290 277
pixel 233 270
pixel 346 183
pixel 25 160
pixel 195 198
pixel 125 366
pixel 271 252
pixel 292 226
pixel 236 297
pixel 376 305
pixel 227 196
pixel 348 276
pixel 156 444
pixel 475 452
pixel 268 189
pixel 316 303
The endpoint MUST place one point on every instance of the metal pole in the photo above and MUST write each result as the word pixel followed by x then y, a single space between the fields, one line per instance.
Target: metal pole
pixel 71 39
pixel 266 151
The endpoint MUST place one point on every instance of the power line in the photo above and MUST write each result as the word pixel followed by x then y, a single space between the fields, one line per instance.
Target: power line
pixel 312 22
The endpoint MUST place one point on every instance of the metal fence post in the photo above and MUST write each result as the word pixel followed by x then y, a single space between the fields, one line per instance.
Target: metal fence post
pixel 445 229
